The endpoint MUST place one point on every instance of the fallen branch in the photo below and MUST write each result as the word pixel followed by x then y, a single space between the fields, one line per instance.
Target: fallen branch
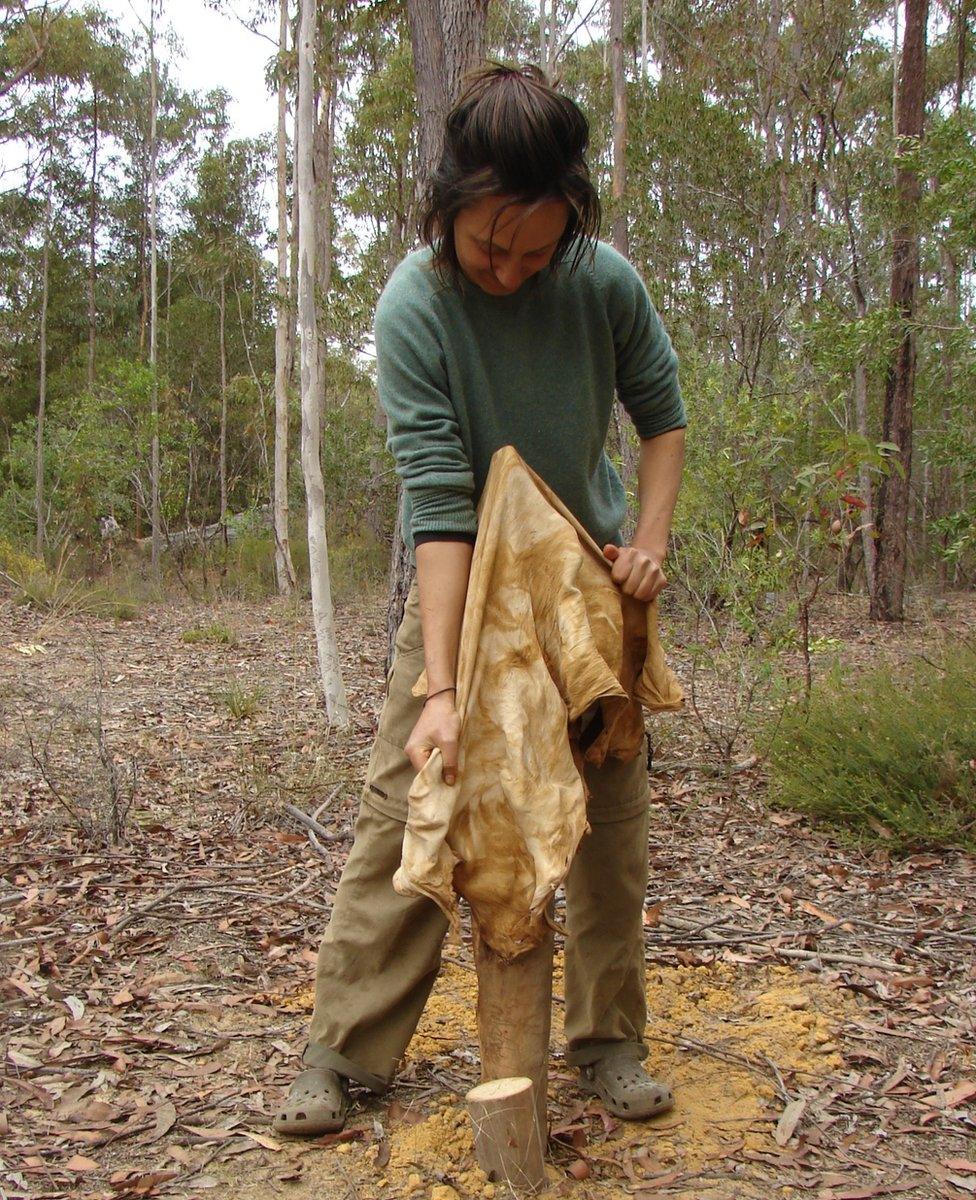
pixel 310 823
pixel 881 964
pixel 141 911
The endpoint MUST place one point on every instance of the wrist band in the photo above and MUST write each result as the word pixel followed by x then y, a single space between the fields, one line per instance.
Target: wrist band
pixel 440 693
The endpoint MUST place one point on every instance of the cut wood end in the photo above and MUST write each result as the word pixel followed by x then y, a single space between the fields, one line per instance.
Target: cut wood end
pixel 499 1089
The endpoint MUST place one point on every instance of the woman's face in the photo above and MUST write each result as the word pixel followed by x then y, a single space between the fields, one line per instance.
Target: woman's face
pixel 500 259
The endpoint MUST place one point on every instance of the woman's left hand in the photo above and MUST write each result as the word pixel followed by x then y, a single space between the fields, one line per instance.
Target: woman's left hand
pixel 636 572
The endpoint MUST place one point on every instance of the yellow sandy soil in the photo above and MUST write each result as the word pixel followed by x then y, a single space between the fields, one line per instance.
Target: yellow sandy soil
pixel 757 1012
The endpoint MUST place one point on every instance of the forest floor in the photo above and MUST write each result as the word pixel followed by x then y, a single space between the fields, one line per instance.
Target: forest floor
pixel 812 1004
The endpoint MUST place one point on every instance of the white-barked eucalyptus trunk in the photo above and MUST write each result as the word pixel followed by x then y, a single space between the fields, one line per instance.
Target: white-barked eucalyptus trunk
pixel 284 569
pixel 313 378
pixel 154 466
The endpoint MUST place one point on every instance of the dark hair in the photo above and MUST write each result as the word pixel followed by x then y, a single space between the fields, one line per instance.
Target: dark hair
pixel 511 134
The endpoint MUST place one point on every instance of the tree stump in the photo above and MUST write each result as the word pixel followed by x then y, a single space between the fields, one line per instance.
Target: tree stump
pixel 508 1141
pixel 514 1011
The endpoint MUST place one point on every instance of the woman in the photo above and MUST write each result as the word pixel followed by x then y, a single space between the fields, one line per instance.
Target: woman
pixel 512 325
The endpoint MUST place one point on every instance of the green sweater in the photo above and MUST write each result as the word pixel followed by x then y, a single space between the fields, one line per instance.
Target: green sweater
pixel 462 373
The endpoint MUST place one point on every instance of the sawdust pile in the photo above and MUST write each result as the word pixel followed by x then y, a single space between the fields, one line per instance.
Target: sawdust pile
pixel 743 1013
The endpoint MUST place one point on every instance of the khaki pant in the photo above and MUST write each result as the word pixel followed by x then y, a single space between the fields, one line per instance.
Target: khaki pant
pixel 381 952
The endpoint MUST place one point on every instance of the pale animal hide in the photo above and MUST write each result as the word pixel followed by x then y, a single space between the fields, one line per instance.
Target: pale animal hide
pixel 546 637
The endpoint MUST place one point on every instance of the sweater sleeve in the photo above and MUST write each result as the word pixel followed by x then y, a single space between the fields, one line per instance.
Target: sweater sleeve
pixel 423 432
pixel 646 364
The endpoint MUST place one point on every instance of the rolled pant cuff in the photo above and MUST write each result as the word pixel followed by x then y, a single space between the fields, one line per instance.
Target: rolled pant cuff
pixel 317 1055
pixel 594 1051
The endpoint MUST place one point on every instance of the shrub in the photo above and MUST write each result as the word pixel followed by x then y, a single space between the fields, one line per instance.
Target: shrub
pixel 121 610
pixel 56 591
pixel 16 564
pixel 216 633
pixel 83 770
pixel 241 702
pixel 889 758
pixel 245 570
pixel 51 591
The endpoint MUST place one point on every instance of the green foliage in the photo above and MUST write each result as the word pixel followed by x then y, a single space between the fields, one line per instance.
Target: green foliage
pixel 947 156
pixel 50 591
pixel 91 450
pixel 216 633
pixel 16 564
pixel 61 590
pixel 358 470
pixel 770 503
pixel 120 608
pixel 770 497
pixel 887 756
pixel 240 702
pixel 358 563
pixel 956 533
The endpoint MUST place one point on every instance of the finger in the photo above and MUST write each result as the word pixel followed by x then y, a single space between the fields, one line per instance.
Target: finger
pixel 449 753
pixel 653 586
pixel 623 564
pixel 611 552
pixel 636 577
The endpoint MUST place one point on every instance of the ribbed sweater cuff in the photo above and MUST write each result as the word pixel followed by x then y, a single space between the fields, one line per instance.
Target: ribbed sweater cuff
pixel 661 421
pixel 441 510
pixel 419 539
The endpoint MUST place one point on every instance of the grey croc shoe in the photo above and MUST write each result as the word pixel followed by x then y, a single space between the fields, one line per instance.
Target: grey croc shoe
pixel 317 1103
pixel 625 1088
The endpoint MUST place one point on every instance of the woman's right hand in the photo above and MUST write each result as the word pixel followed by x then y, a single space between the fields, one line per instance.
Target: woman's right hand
pixel 438 726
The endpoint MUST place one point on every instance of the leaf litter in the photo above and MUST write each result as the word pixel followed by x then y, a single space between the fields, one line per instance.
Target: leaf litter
pixel 812 1005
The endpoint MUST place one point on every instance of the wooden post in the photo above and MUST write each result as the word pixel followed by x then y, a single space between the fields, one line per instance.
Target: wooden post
pixel 514 1011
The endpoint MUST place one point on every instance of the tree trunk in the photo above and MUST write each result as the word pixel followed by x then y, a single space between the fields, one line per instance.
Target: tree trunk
pixel 860 391
pixel 153 314
pixel 447 37
pixel 951 282
pixel 619 181
pixel 621 240
pixel 293 264
pixel 143 273
pixel 894 64
pixel 643 47
pixel 40 533
pixel 508 1144
pixel 312 375
pixel 464 41
pixel 548 31
pixel 222 306
pixel 888 597
pixel 92 225
pixel 553 33
pixel 864 478
pixel 962 35
pixel 430 74
pixel 322 166
pixel 169 294
pixel 284 569
pixel 514 1015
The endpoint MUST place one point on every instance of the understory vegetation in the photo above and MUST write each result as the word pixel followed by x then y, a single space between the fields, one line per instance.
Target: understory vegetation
pixel 886 756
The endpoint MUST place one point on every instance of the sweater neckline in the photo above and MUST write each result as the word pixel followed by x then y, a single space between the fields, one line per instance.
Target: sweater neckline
pixel 533 289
